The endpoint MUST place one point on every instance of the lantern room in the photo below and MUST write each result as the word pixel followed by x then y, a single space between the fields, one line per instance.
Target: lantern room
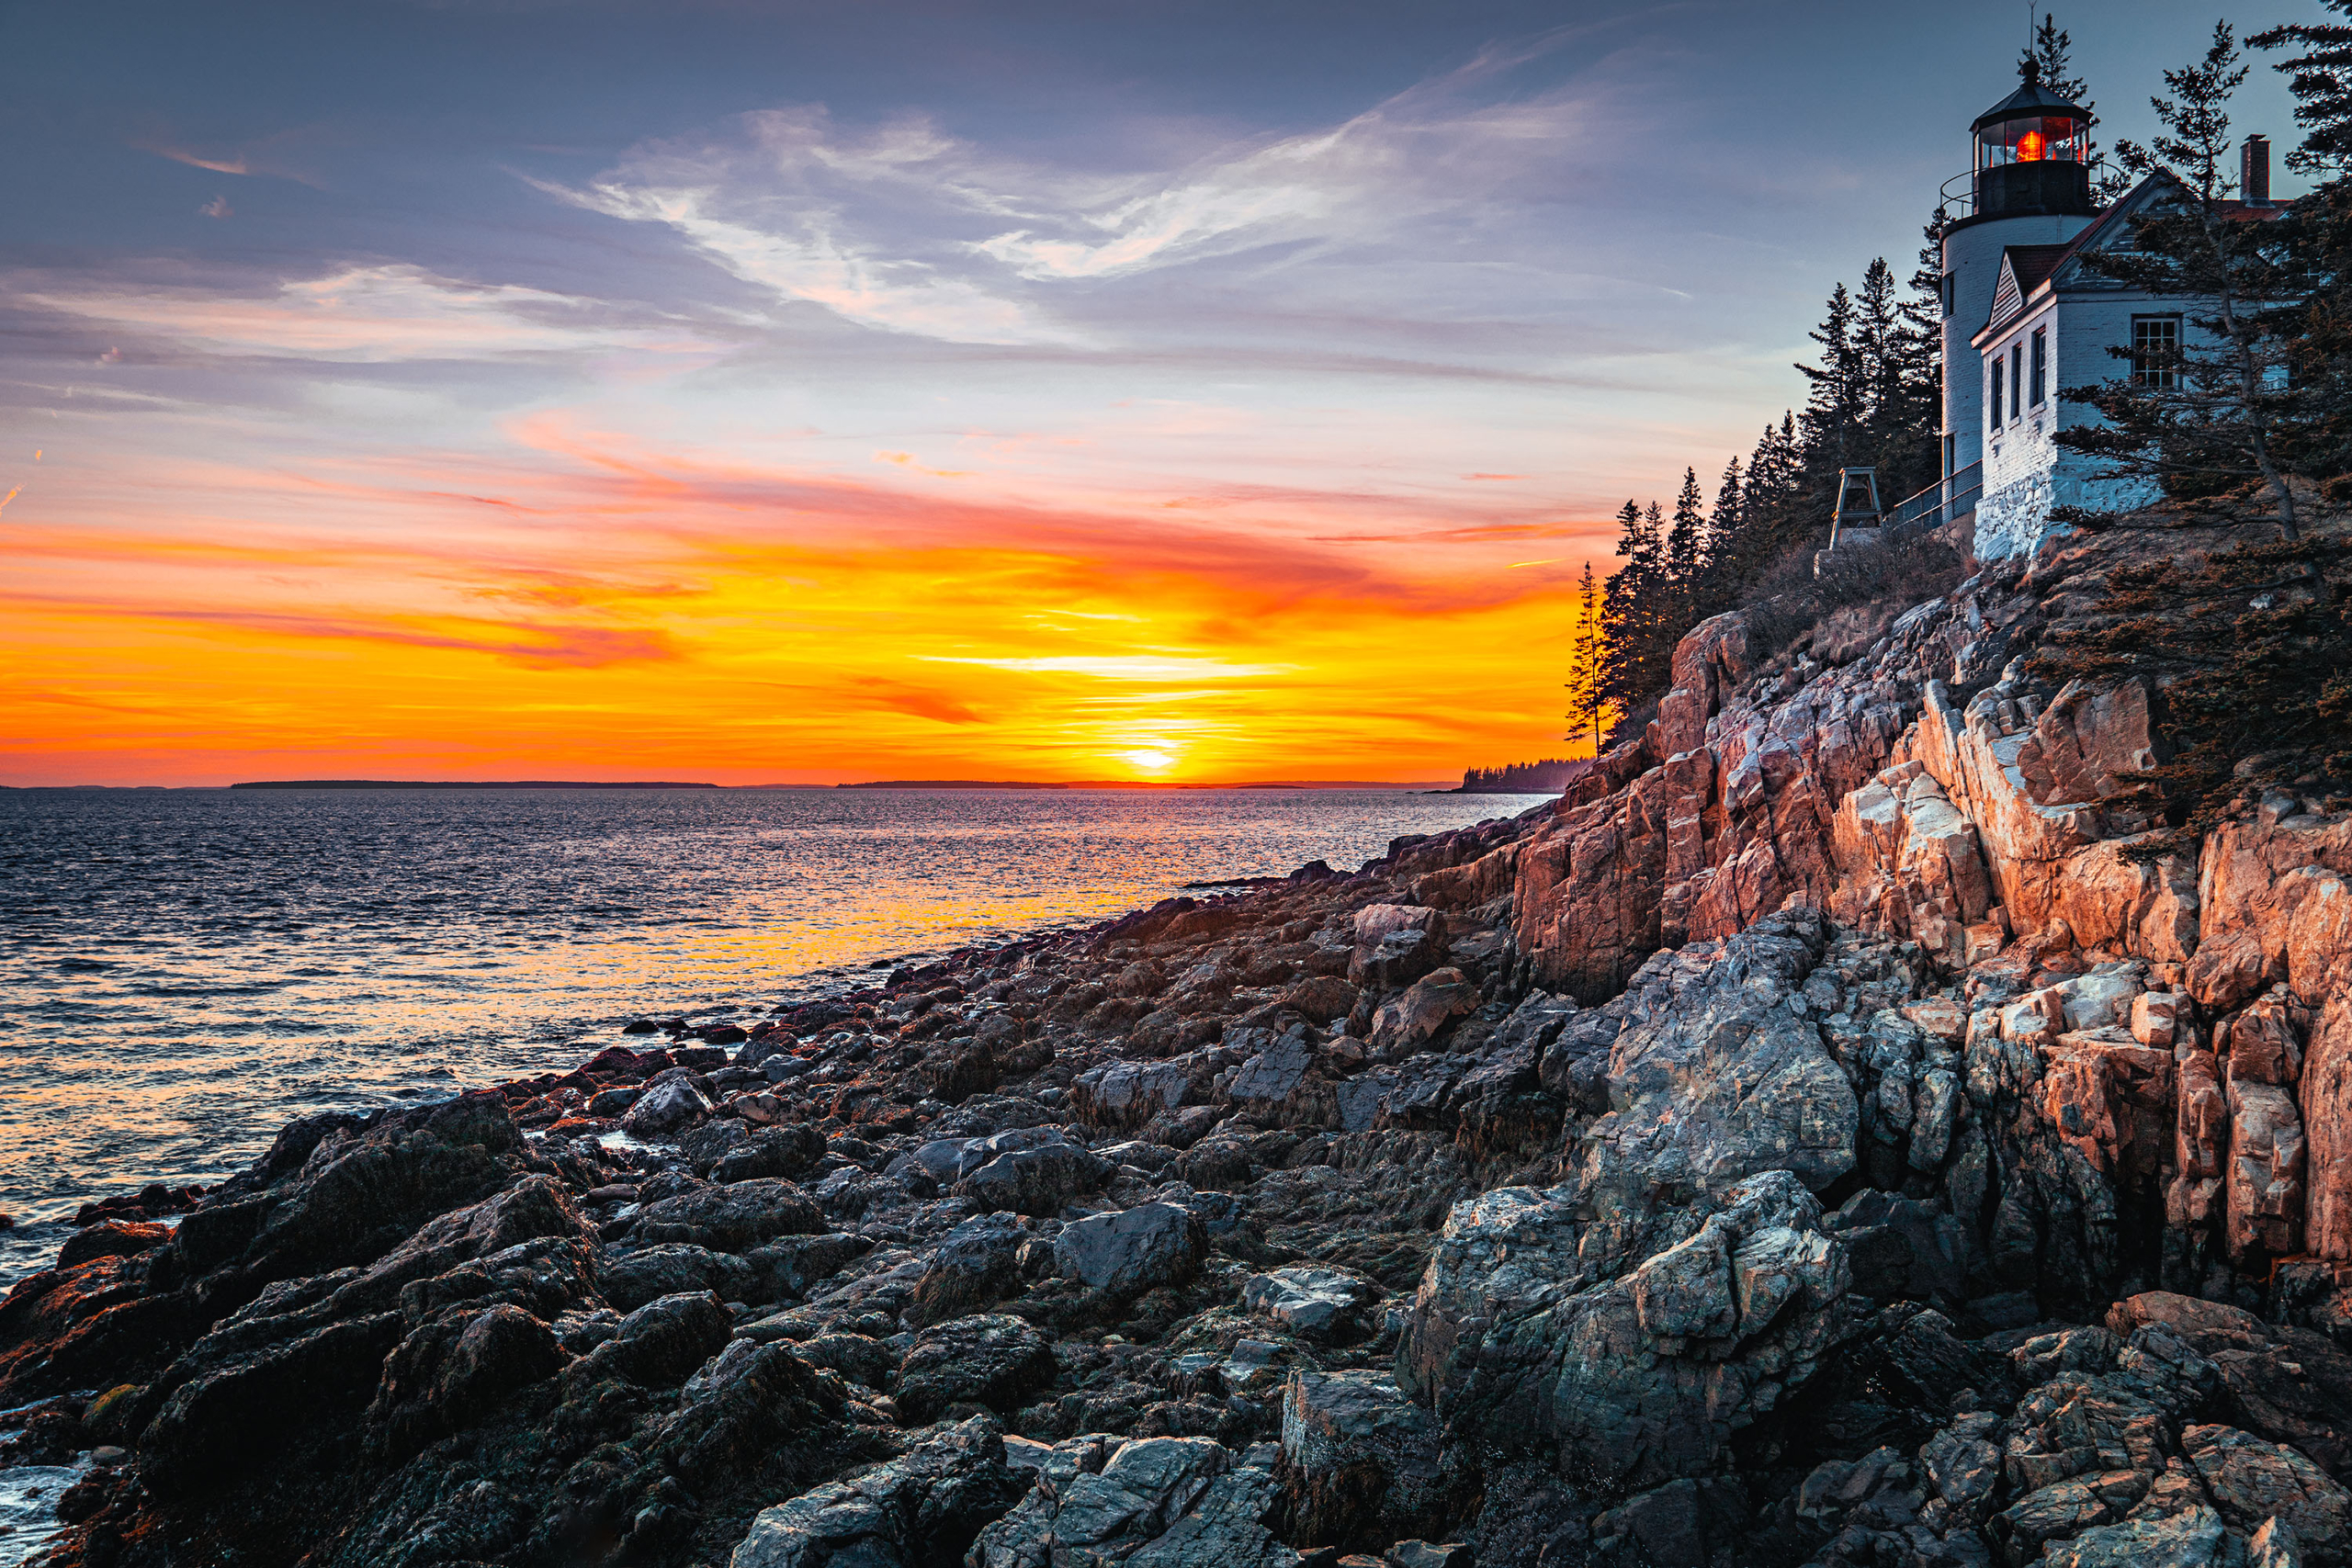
pixel 2033 151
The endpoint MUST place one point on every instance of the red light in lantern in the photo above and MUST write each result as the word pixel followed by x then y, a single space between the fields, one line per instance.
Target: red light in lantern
pixel 2033 148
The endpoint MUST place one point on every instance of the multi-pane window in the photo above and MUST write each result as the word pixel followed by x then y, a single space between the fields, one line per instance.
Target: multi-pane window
pixel 2040 365
pixel 2156 351
pixel 2016 380
pixel 1992 403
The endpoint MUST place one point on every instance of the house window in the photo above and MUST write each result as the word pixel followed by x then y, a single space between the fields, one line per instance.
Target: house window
pixel 1992 403
pixel 2040 365
pixel 2016 379
pixel 2156 351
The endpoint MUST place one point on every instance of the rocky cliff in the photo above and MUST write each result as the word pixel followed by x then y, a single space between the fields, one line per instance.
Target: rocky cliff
pixel 1820 1138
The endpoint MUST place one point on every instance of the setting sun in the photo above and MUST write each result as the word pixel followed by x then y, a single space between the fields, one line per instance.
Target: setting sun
pixel 1150 761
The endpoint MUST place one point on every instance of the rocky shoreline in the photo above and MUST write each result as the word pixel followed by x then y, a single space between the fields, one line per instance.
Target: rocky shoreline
pixel 1810 1141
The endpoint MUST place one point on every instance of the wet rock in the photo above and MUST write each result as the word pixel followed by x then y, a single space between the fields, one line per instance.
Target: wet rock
pixel 665 1109
pixel 975 1265
pixel 730 1218
pixel 634 1279
pixel 1156 1503
pixel 782 1151
pixel 990 1360
pixel 1131 1250
pixel 916 1511
pixel 1039 1181
pixel 111 1238
pixel 1361 1462
pixel 657 1345
pixel 1321 1304
pixel 446 1375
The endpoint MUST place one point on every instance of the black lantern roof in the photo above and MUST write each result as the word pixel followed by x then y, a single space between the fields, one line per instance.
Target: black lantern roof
pixel 2029 101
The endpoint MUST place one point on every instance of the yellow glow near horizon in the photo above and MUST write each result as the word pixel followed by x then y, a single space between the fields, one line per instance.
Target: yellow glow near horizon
pixel 603 614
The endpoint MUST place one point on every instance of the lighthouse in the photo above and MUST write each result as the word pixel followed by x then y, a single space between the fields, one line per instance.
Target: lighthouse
pixel 2029 188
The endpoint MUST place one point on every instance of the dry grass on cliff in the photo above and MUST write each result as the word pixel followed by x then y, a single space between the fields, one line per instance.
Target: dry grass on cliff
pixel 1835 604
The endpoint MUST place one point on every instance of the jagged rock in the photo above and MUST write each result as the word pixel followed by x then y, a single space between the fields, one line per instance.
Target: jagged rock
pixel 1716 1079
pixel 785 1151
pixel 2252 1481
pixel 1529 1325
pixel 1396 944
pixel 1361 1462
pixel 2189 1540
pixel 1132 1249
pixel 915 1511
pixel 666 1110
pixel 657 1345
pixel 1038 1181
pixel 445 1374
pixel 632 1279
pixel 1322 1304
pixel 1156 1503
pixel 994 1360
pixel 1423 1009
pixel 730 1218
pixel 975 1265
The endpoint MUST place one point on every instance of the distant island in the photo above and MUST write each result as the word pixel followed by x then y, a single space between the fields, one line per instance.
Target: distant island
pixel 465 784
pixel 1548 777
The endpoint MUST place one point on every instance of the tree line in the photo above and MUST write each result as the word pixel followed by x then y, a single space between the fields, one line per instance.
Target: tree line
pixel 1875 398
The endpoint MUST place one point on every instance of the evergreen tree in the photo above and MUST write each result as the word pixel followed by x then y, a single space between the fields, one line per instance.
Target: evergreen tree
pixel 2213 413
pixel 2321 80
pixel 1834 411
pixel 1586 655
pixel 1686 555
pixel 1632 617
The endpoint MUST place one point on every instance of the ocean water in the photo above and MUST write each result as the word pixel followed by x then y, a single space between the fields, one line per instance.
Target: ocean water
pixel 182 971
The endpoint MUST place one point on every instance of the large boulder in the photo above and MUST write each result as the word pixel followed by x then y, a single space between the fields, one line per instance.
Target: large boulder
pixel 1155 1502
pixel 1631 1346
pixel 1039 1180
pixel 1716 1078
pixel 917 1511
pixel 666 1110
pixel 1131 1250
pixel 732 1218
pixel 991 1360
pixel 1361 1462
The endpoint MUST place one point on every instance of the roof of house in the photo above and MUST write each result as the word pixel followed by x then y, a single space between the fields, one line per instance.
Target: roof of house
pixel 2029 271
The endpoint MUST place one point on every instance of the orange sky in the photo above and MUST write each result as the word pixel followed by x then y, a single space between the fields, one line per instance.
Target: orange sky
pixel 577 605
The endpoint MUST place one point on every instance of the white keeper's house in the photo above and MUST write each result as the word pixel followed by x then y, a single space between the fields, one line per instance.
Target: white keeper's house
pixel 2023 315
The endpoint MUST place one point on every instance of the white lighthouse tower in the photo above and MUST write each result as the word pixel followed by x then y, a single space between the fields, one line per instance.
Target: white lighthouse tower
pixel 2031 188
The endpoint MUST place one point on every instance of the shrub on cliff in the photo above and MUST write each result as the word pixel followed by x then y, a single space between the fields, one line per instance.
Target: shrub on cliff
pixel 2250 653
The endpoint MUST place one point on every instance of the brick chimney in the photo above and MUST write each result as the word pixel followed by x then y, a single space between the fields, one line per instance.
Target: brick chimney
pixel 2254 171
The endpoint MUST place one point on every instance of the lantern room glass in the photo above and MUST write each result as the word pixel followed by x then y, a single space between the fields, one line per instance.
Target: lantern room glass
pixel 2033 140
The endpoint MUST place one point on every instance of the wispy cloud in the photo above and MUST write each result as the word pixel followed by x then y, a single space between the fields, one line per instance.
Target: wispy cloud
pixel 374 313
pixel 906 228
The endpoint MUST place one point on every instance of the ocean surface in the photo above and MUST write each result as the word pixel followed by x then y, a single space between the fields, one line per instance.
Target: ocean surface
pixel 183 971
